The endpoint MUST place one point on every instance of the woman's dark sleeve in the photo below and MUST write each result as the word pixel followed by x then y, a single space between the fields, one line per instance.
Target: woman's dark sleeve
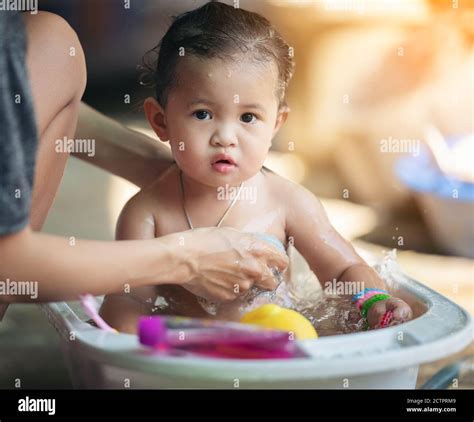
pixel 18 135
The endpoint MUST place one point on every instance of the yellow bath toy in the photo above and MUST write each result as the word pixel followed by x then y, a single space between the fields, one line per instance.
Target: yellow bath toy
pixel 278 318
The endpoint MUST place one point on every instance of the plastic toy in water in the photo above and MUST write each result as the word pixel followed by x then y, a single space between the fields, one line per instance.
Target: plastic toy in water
pixel 278 318
pixel 220 339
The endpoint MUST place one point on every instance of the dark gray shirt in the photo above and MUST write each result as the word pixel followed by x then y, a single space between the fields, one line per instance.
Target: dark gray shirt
pixel 18 137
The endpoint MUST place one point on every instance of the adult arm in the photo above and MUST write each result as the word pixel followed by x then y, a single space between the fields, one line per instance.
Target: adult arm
pixel 120 150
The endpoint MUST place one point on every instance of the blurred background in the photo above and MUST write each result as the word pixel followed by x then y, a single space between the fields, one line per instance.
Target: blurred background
pixel 381 128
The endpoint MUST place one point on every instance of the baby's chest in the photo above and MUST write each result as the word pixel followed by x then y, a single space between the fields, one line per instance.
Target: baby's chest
pixel 252 218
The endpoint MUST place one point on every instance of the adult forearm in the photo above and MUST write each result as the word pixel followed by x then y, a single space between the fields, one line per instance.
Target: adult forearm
pixel 120 150
pixel 63 268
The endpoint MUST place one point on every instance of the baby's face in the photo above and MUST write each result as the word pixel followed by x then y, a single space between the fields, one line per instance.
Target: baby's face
pixel 220 119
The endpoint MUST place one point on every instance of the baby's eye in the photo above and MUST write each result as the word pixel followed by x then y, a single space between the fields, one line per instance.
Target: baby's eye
pixel 248 118
pixel 202 115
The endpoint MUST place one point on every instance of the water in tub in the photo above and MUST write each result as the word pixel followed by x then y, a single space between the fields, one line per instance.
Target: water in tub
pixel 298 289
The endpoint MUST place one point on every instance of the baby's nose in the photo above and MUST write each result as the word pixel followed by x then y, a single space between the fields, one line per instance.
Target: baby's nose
pixel 224 138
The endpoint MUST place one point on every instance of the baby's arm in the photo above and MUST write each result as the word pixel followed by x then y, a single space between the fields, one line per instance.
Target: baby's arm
pixel 122 310
pixel 331 257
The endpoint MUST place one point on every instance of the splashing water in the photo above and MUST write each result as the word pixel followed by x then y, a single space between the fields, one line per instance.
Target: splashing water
pixel 333 314
pixel 330 314
pixel 254 298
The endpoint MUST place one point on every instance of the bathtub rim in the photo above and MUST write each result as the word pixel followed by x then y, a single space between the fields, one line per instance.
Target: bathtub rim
pixel 425 339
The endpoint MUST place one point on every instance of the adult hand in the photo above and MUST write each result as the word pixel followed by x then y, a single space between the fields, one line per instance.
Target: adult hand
pixel 224 263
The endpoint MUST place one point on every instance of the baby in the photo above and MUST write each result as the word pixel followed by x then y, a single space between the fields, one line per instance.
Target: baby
pixel 220 81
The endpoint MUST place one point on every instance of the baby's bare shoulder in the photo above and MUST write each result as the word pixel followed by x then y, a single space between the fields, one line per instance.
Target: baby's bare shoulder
pixel 285 189
pixel 297 201
pixel 160 192
pixel 152 203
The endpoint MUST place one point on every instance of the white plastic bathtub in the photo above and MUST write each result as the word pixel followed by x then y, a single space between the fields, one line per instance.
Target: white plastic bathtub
pixel 387 358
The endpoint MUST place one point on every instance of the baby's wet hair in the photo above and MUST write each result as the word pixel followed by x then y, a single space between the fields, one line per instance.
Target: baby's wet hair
pixel 216 30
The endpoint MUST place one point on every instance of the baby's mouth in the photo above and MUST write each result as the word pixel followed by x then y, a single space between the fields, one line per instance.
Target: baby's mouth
pixel 223 164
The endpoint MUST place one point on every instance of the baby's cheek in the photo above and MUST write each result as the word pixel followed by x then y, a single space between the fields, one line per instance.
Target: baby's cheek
pixel 255 155
pixel 186 154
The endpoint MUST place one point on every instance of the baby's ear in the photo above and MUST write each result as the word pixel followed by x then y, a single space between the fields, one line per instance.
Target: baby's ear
pixel 156 117
pixel 282 115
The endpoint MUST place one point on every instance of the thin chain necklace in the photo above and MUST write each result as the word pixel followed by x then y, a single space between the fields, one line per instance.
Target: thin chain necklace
pixel 188 219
